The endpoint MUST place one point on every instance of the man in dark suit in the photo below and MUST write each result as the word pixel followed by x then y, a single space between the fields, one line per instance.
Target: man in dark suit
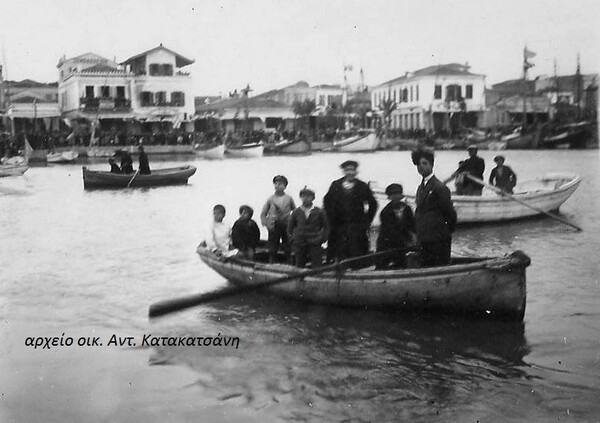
pixel 435 216
pixel 473 166
pixel 344 206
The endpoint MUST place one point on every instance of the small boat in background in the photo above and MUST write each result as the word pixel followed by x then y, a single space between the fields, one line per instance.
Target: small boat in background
pixel 299 146
pixel 15 166
pixel 64 157
pixel 546 193
pixel 158 177
pixel 211 153
pixel 574 135
pixel 246 150
pixel 358 143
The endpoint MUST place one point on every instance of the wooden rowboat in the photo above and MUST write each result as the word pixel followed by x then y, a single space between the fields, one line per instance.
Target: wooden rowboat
pixel 158 177
pixel 289 147
pixel 495 287
pixel 546 193
pixel 358 143
pixel 246 150
pixel 212 153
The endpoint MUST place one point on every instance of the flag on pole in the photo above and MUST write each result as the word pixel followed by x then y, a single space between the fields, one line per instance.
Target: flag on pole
pixel 528 54
pixel 348 68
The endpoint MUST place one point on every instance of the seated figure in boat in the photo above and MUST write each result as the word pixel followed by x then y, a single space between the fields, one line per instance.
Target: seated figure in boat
pixel 217 238
pixel 144 168
pixel 126 161
pixel 502 176
pixel 397 230
pixel 275 215
pixel 245 234
pixel 308 229
pixel 114 168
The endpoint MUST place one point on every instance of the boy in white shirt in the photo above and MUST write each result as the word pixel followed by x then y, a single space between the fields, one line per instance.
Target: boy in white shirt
pixel 218 234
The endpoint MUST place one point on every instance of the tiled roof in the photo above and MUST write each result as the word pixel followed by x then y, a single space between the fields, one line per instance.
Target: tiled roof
pixel 436 70
pixel 180 61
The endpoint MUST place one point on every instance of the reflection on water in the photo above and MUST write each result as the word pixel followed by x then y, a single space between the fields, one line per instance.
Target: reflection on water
pixel 345 362
pixel 79 261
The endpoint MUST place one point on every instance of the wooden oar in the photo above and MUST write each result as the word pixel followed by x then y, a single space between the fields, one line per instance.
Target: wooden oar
pixel 177 304
pixel 506 194
pixel 134 175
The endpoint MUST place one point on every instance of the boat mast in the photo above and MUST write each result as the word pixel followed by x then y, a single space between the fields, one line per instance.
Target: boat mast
pixel 578 79
pixel 557 92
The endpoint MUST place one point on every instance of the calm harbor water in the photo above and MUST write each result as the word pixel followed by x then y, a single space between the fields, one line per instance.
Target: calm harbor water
pixel 89 263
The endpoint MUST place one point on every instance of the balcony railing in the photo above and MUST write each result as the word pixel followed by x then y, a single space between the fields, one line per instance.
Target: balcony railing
pixel 180 103
pixel 105 103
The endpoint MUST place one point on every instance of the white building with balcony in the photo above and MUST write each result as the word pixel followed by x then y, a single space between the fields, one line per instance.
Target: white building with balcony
pixel 441 97
pixel 148 87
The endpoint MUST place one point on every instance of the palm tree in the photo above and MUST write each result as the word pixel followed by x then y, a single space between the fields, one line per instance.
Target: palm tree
pixel 304 109
pixel 387 106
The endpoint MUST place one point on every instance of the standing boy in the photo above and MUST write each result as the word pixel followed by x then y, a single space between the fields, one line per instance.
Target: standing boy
pixel 275 216
pixel 245 233
pixel 308 229
pixel 397 230
pixel 502 176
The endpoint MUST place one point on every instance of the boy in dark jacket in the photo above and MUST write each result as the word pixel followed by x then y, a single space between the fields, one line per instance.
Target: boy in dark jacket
pixel 245 233
pixel 308 229
pixel 397 230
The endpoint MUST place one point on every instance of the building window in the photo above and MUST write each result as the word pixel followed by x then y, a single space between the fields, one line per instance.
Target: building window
pixel 89 91
pixel 120 92
pixel 105 91
pixel 411 93
pixel 453 93
pixel 404 95
pixel 167 69
pixel 178 98
pixel 437 92
pixel 394 96
pixel 146 98
pixel 417 119
pixel 469 91
pixel 417 87
pixel 160 98
pixel 154 69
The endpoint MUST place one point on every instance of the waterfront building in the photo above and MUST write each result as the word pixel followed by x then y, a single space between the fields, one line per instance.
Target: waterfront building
pixel 435 98
pixel 271 110
pixel 29 106
pixel 148 88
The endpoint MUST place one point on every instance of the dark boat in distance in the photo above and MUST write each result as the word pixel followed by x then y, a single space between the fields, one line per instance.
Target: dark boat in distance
pixel 490 287
pixel 159 177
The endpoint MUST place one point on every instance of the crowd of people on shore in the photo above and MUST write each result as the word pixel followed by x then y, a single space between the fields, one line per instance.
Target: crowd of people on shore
pixel 297 233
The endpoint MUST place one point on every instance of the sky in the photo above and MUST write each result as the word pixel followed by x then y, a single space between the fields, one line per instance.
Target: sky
pixel 271 44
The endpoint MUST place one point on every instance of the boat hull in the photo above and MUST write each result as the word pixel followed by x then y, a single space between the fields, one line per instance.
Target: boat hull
pixel 358 144
pixel 246 151
pixel 64 157
pixel 214 153
pixel 291 147
pixel 491 287
pixel 547 193
pixel 158 177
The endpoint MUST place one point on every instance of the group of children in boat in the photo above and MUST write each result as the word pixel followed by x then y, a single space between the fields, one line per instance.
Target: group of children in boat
pixel 349 208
